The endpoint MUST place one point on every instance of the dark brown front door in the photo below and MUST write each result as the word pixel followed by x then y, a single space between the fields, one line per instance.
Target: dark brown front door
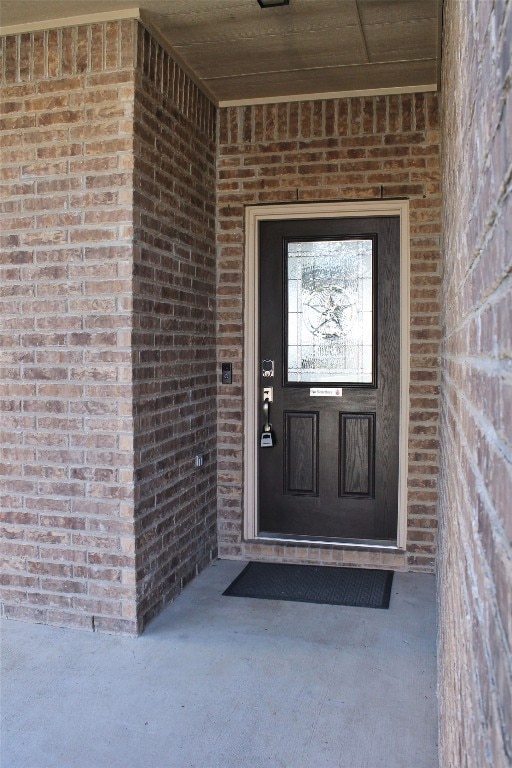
pixel 330 352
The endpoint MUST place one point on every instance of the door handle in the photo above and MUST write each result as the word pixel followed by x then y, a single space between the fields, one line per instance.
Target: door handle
pixel 268 397
pixel 267 427
pixel 267 440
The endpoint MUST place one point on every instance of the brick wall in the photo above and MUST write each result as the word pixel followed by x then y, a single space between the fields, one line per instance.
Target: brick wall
pixel 108 330
pixel 475 572
pixel 65 305
pixel 354 148
pixel 108 346
pixel 175 371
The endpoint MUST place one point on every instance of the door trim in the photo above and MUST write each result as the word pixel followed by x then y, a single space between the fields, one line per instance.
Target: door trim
pixel 253 216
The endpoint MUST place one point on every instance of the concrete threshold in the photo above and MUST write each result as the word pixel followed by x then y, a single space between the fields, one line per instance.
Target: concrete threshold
pixel 226 682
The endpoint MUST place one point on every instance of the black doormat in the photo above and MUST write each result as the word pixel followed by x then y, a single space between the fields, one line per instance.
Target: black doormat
pixel 360 587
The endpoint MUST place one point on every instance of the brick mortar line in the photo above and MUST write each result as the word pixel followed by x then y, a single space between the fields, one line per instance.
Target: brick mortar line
pixel 176 188
pixel 71 596
pixel 71 466
pixel 492 439
pixel 487 364
pixel 80 101
pixel 325 143
pixel 76 281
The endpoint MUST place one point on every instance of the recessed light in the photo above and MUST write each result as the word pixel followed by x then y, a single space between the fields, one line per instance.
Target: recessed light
pixel 272 3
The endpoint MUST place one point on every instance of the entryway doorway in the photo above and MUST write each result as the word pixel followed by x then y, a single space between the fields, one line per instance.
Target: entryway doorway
pixel 326 373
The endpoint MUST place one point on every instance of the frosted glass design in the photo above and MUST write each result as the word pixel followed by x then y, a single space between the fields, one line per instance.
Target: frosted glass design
pixel 330 311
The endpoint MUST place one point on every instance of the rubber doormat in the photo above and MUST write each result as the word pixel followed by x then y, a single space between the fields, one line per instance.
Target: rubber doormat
pixel 359 587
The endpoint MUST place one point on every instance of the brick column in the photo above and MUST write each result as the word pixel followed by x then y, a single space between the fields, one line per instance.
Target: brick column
pixel 67 460
pixel 108 332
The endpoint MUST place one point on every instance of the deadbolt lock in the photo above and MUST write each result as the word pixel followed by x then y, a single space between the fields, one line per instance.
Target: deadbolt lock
pixel 267 369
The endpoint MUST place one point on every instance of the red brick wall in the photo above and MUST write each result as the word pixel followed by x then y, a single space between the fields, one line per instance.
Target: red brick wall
pixel 326 150
pixel 175 371
pixel 65 305
pixel 108 328
pixel 80 364
pixel 475 574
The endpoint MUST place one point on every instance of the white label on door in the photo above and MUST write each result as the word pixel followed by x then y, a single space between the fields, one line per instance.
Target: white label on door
pixel 326 392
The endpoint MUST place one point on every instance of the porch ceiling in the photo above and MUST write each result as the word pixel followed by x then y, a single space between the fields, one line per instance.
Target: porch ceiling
pixel 242 53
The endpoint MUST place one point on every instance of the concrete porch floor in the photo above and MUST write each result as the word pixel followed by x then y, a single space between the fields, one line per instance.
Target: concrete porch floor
pixel 225 682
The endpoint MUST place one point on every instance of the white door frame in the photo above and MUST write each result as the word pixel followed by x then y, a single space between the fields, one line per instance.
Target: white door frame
pixel 253 216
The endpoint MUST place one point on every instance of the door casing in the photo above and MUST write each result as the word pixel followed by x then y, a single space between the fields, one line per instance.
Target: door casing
pixel 253 216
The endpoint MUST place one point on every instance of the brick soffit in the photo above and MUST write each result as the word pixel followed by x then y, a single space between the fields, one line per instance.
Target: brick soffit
pixel 136 14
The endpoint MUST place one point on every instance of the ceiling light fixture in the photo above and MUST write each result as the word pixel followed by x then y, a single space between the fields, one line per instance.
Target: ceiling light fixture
pixel 272 3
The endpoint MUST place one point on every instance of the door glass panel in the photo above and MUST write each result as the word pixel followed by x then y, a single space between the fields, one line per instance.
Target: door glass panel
pixel 329 287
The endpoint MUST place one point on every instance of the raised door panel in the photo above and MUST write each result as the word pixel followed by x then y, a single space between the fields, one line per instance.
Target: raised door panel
pixel 357 454
pixel 301 453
